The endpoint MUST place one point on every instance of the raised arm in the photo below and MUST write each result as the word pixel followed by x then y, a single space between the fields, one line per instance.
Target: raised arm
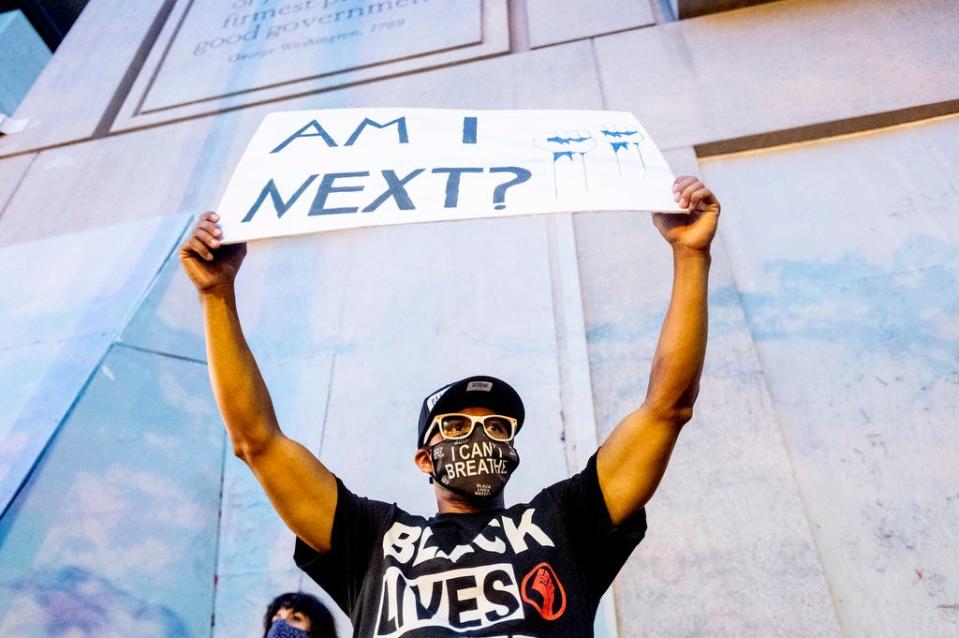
pixel 631 462
pixel 301 489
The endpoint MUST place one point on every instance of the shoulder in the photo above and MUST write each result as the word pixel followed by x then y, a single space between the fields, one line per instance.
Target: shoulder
pixel 347 499
pixel 357 519
pixel 374 513
pixel 583 483
pixel 580 498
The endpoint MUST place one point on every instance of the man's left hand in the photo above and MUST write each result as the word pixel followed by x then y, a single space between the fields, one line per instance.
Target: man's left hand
pixel 696 229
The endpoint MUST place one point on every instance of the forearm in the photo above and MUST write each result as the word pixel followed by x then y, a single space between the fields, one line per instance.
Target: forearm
pixel 631 462
pixel 678 361
pixel 239 389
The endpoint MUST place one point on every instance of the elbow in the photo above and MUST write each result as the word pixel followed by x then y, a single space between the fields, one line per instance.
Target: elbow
pixel 247 450
pixel 678 416
pixel 674 409
pixel 675 416
pixel 682 416
pixel 252 439
pixel 241 452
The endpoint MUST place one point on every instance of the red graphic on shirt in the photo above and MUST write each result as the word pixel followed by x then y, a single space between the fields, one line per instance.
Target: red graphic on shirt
pixel 543 591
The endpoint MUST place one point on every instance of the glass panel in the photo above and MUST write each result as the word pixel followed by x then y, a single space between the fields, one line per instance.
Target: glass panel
pixel 115 533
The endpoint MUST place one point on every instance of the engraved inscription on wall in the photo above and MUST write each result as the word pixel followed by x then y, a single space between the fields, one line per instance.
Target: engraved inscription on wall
pixel 228 47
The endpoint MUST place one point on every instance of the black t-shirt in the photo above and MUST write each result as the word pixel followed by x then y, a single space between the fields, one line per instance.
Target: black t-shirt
pixel 533 569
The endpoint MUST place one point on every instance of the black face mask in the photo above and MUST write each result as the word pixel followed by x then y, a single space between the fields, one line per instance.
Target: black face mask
pixel 282 630
pixel 475 466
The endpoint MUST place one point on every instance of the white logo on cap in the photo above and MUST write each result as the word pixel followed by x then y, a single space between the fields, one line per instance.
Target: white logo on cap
pixel 484 386
pixel 430 402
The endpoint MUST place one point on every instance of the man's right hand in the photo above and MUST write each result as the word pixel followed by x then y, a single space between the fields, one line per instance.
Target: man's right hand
pixel 207 263
pixel 300 487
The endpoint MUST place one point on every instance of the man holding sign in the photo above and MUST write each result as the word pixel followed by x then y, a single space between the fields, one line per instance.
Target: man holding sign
pixel 476 568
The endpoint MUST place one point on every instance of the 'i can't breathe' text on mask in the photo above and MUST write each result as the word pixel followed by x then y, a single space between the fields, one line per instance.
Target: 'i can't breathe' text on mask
pixel 474 466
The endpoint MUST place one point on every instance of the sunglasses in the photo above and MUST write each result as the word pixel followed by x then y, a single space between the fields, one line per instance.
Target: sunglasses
pixel 456 426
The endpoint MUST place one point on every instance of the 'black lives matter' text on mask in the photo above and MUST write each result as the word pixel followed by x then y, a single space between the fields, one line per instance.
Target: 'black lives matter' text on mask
pixel 475 466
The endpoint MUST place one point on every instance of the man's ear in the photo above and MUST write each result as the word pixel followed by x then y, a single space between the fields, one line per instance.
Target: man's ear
pixel 423 461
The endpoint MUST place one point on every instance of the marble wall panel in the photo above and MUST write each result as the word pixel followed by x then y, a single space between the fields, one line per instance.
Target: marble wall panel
pixel 552 22
pixel 218 50
pixel 12 171
pixel 72 93
pixel 289 294
pixel 169 318
pixel 729 491
pixel 184 168
pixel 886 199
pixel 682 160
pixel 81 284
pixel 116 179
pixel 161 95
pixel 779 66
pixel 115 533
pixel 848 295
pixel 729 550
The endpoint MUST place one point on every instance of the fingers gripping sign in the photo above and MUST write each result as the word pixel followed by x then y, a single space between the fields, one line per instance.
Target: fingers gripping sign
pixel 207 263
pixel 696 229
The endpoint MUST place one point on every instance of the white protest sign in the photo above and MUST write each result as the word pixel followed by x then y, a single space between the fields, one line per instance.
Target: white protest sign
pixel 310 171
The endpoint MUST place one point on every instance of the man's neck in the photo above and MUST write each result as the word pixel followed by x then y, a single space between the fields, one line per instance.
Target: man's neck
pixel 448 502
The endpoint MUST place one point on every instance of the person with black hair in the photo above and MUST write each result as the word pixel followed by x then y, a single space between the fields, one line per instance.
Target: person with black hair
pixel 298 615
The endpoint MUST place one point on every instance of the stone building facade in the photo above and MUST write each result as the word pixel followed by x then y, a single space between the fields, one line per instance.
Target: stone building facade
pixel 814 492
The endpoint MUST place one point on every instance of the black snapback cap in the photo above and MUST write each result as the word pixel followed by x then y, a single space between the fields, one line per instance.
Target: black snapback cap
pixel 478 391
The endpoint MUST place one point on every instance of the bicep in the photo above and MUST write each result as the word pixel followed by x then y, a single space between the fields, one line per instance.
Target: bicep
pixel 631 463
pixel 303 491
